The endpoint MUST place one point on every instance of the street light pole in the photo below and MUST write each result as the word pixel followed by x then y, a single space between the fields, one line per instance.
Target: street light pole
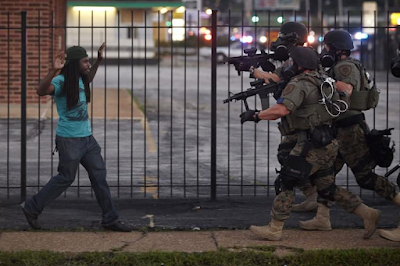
pixel 319 9
pixel 307 6
pixel 248 9
pixel 340 7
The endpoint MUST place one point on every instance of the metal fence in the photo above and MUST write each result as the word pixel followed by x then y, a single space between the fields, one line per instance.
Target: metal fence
pixel 169 135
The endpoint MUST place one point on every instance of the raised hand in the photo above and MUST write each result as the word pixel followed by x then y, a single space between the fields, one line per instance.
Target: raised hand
pixel 100 52
pixel 59 60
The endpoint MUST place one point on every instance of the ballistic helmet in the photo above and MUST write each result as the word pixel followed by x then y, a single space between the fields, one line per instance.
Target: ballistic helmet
pixel 305 57
pixel 292 27
pixel 339 39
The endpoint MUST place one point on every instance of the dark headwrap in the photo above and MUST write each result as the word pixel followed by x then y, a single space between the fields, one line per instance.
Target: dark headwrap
pixel 75 52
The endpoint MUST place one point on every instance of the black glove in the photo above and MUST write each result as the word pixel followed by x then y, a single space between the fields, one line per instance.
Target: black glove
pixel 250 115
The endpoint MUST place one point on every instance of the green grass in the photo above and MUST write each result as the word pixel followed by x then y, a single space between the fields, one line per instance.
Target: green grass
pixel 239 256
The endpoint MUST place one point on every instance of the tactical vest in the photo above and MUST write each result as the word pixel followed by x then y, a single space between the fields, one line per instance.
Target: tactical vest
pixel 367 97
pixel 308 116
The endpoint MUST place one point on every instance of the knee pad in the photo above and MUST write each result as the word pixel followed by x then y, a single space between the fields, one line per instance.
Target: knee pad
pixel 278 185
pixel 288 182
pixel 283 183
pixel 282 155
pixel 295 172
pixel 368 181
pixel 284 150
pixel 328 193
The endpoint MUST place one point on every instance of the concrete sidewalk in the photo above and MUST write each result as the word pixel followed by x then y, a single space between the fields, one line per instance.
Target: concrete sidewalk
pixel 196 241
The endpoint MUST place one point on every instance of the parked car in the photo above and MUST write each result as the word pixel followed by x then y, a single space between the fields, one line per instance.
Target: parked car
pixel 223 52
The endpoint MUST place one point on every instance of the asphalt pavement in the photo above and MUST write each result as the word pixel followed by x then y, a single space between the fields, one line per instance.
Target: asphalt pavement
pixel 181 214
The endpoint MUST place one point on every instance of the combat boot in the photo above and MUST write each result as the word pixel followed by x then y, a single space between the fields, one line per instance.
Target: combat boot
pixel 272 231
pixel 371 218
pixel 393 235
pixel 320 222
pixel 309 205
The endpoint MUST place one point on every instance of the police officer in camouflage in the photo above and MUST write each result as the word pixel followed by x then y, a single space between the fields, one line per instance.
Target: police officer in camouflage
pixel 305 118
pixel 352 129
pixel 291 34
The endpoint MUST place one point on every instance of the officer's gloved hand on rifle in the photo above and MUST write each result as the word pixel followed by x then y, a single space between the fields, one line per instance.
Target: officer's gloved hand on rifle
pixel 247 67
pixel 250 115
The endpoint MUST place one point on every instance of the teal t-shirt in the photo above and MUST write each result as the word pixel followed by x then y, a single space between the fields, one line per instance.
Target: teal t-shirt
pixel 75 122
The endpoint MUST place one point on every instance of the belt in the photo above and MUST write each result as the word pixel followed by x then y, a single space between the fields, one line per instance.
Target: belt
pixel 349 121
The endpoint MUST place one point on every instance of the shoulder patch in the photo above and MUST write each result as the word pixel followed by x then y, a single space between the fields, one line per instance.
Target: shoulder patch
pixel 288 89
pixel 345 70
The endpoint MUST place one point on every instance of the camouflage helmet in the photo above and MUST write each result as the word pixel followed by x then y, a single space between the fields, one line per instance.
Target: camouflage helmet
pixel 295 27
pixel 305 57
pixel 339 39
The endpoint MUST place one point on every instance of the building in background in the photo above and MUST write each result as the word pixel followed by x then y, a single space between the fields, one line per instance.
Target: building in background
pixel 45 20
pixel 128 27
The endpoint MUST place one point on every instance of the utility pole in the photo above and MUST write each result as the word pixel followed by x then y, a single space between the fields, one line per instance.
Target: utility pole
pixel 340 7
pixel 319 10
pixel 307 6
pixel 386 7
pixel 248 9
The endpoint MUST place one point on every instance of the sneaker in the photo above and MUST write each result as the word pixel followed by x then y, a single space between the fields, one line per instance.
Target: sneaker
pixel 31 219
pixel 118 226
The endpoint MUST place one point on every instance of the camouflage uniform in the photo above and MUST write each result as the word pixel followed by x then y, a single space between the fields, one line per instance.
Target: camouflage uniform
pixel 353 147
pixel 300 97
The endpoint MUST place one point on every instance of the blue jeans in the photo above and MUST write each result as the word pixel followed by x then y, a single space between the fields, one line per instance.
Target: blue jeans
pixel 72 151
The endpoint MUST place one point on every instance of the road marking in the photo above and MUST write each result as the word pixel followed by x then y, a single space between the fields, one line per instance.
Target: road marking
pixel 150 142
pixel 150 181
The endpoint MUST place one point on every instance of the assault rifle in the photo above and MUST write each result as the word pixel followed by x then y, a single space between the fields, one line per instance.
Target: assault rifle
pixel 243 63
pixel 262 89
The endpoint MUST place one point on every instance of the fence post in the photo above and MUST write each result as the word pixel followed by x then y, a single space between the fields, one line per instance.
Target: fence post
pixel 23 105
pixel 214 106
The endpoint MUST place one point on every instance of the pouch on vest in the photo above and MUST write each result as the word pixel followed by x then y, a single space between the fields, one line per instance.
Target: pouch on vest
pixel 285 127
pixel 379 145
pixel 322 136
pixel 367 97
pixel 358 100
pixel 373 97
pixel 365 100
